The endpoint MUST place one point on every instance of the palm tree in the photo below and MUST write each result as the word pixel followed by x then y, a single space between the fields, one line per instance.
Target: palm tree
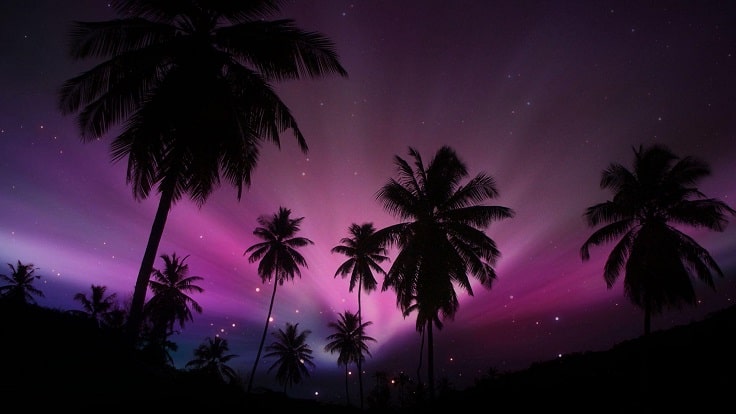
pixel 19 287
pixel 279 258
pixel 116 317
pixel 171 302
pixel 364 257
pixel 98 305
pixel 650 204
pixel 293 355
pixel 190 83
pixel 349 340
pixel 212 358
pixel 380 396
pixel 441 240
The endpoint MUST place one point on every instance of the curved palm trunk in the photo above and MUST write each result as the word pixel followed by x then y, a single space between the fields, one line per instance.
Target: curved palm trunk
pixel 360 358
pixel 135 316
pixel 263 338
pixel 430 359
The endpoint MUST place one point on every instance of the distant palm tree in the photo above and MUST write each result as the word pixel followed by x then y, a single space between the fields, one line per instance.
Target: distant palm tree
pixel 212 358
pixel 279 258
pixel 650 204
pixel 171 302
pixel 428 315
pixel 155 347
pixel 98 305
pixel 380 396
pixel 116 317
pixel 365 254
pixel 349 341
pixel 403 383
pixel 19 287
pixel 293 355
pixel 441 240
pixel 191 84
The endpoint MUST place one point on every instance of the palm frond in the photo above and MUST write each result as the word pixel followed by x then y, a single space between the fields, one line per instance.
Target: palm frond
pixel 279 50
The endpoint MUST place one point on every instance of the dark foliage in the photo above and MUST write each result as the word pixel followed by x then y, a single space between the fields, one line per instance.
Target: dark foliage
pixel 689 369
pixel 55 360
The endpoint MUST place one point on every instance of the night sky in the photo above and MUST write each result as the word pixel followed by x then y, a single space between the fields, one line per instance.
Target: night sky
pixel 540 95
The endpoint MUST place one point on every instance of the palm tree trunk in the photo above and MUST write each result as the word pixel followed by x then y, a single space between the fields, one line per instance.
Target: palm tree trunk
pixel 644 377
pixel 360 358
pixel 135 316
pixel 263 337
pixel 430 359
pixel 347 394
pixel 419 365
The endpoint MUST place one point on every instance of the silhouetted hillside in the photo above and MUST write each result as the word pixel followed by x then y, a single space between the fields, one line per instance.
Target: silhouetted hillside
pixel 686 368
pixel 58 361
pixel 52 359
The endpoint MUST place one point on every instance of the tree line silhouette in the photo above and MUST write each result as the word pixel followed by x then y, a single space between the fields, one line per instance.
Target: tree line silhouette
pixel 440 244
pixel 191 85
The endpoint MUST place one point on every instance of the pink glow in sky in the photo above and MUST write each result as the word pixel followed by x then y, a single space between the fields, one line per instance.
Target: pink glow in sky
pixel 540 95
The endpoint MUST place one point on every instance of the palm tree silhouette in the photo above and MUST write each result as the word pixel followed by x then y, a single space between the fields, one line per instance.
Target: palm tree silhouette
pixel 279 258
pixel 364 254
pixel 293 355
pixel 19 289
pixel 650 204
pixel 349 341
pixel 191 84
pixel 442 239
pixel 212 358
pixel 171 302
pixel 380 396
pixel 98 305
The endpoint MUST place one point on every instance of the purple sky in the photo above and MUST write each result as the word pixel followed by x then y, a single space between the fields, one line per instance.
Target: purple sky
pixel 540 95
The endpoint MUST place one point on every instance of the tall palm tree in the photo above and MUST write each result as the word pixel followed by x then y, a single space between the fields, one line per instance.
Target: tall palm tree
pixel 650 205
pixel 98 305
pixel 349 341
pixel 279 258
pixel 190 83
pixel 293 355
pixel 365 255
pixel 212 357
pixel 19 287
pixel 171 302
pixel 441 240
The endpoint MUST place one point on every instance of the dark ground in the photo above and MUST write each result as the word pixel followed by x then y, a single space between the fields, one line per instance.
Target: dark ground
pixel 54 360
